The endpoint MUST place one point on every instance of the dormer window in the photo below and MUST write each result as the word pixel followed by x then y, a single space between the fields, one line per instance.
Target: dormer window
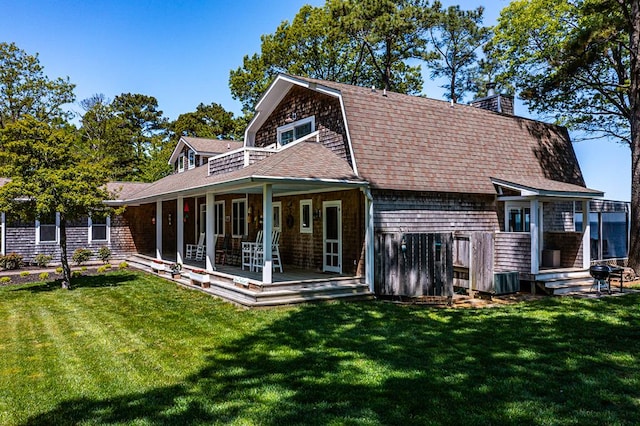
pixel 192 159
pixel 294 131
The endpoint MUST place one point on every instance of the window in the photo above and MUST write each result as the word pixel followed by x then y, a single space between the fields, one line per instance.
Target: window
pixel 519 219
pixel 192 159
pixel 99 228
pixel 181 163
pixel 218 220
pixel 47 228
pixel 239 217
pixel 293 131
pixel 277 216
pixel 306 224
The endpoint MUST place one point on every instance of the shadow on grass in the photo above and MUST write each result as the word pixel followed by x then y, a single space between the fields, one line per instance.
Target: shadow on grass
pixel 83 281
pixel 553 362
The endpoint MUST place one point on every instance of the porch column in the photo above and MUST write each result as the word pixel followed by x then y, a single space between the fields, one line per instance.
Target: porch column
pixel 180 230
pixel 3 248
pixel 159 229
pixel 368 240
pixel 586 235
pixel 534 230
pixel 210 243
pixel 600 243
pixel 267 227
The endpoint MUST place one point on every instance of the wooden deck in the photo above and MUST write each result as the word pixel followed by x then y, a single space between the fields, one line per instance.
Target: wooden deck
pixel 244 287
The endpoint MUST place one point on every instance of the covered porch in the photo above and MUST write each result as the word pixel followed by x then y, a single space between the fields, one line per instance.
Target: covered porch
pixel 542 218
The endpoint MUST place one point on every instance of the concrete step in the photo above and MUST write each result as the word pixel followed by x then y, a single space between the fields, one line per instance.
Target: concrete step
pixel 565 286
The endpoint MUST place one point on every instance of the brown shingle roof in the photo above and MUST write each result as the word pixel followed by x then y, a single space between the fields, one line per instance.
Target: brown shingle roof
pixel 214 146
pixel 405 142
pixel 301 161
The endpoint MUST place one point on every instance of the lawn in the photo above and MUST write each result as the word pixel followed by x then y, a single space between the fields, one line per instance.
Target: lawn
pixel 130 348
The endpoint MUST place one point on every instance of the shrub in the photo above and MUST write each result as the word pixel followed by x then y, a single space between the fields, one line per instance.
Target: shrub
pixel 84 268
pixel 59 270
pixel 44 276
pixel 81 255
pixel 5 280
pixel 108 266
pixel 76 274
pixel 42 260
pixel 24 274
pixel 101 269
pixel 123 265
pixel 104 253
pixel 11 261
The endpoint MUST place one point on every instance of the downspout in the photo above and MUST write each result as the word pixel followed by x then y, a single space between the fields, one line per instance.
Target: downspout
pixel 368 240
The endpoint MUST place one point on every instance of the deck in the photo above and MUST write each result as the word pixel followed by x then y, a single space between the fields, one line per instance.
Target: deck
pixel 244 287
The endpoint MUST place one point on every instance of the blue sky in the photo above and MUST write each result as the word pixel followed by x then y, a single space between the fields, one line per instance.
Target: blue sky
pixel 181 52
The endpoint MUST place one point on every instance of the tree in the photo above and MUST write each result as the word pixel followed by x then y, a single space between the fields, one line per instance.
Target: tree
pixel 388 33
pixel 130 131
pixel 207 121
pixel 310 46
pixel 24 89
pixel 578 60
pixel 50 172
pixel 456 36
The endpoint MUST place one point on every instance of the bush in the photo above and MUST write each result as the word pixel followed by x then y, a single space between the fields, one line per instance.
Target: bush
pixel 24 274
pixel 11 261
pixel 44 276
pixel 5 280
pixel 108 266
pixel 42 260
pixel 81 255
pixel 104 254
pixel 76 274
pixel 101 269
pixel 123 265
pixel 59 270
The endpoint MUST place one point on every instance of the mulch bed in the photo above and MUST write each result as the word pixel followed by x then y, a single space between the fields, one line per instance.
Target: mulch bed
pixel 18 276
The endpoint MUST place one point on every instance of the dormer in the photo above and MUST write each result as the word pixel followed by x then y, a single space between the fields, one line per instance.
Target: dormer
pixel 192 152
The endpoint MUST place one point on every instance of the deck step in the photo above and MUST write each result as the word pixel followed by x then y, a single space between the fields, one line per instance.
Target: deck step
pixel 565 286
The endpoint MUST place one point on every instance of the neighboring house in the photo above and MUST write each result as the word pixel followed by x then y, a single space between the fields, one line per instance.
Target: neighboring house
pixel 405 194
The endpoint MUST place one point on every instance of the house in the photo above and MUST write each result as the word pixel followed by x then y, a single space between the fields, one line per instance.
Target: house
pixel 399 195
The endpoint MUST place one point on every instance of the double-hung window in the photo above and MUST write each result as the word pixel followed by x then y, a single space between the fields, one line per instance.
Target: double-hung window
pixel 218 219
pixel 239 217
pixel 293 131
pixel 306 224
pixel 47 229
pixel 277 215
pixel 99 228
pixel 192 159
pixel 181 163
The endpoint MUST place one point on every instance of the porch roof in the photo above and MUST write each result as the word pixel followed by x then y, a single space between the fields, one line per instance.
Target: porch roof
pixel 540 187
pixel 305 166
pixel 204 146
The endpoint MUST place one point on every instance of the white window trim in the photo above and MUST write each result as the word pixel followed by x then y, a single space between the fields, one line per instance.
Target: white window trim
pixel 277 204
pixel 233 218
pixel 515 205
pixel 90 227
pixel 57 240
pixel 295 124
pixel 307 229
pixel 215 212
pixel 191 159
pixel 181 163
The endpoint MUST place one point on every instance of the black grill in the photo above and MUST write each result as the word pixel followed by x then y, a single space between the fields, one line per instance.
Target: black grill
pixel 600 272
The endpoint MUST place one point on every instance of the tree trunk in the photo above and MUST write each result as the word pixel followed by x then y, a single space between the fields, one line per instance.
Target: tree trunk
pixel 634 119
pixel 66 270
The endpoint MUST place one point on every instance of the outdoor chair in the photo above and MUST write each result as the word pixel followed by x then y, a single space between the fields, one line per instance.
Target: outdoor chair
pixel 258 258
pixel 248 251
pixel 196 251
pixel 225 250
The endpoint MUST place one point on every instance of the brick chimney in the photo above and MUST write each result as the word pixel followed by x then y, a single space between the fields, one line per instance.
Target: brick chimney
pixel 495 101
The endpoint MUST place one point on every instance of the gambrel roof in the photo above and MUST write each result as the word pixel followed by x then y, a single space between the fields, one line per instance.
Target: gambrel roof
pixel 403 142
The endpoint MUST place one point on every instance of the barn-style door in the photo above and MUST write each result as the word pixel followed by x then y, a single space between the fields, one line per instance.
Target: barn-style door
pixel 414 264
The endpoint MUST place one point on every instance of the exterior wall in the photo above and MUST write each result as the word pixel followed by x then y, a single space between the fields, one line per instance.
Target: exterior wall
pixel 570 246
pixel 558 216
pixel 513 252
pixel 142 232
pixel 305 103
pixel 21 239
pixel 226 164
pixel 432 212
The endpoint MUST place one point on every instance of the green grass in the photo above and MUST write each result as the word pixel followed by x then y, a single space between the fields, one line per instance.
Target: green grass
pixel 129 348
